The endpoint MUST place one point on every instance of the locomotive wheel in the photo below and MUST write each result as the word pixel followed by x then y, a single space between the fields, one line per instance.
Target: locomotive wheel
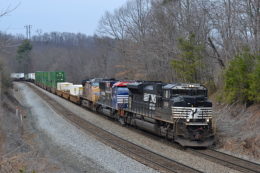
pixel 121 120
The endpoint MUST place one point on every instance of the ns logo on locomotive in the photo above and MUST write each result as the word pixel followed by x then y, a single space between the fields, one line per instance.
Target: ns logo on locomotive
pixel 176 111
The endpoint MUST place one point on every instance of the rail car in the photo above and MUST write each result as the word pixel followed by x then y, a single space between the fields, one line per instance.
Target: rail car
pixel 30 77
pixel 176 111
pixel 17 76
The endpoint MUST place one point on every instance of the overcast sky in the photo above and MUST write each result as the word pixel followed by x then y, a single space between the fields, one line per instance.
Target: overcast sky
pixel 55 15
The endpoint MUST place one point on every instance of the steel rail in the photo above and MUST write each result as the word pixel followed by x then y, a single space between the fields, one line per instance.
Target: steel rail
pixel 229 160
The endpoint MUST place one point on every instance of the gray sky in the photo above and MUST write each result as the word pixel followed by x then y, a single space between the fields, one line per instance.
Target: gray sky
pixel 55 15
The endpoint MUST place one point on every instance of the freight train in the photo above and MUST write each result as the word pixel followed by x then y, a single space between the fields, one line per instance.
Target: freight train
pixel 176 111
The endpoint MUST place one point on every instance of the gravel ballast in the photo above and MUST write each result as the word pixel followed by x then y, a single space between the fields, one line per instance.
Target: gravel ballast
pixel 130 135
pixel 82 149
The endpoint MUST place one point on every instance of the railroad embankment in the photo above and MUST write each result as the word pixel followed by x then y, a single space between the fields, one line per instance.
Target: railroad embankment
pixel 22 147
pixel 238 130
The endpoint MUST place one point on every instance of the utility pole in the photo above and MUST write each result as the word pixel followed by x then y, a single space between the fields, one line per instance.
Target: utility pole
pixel 30 27
pixel 28 31
pixel 26 28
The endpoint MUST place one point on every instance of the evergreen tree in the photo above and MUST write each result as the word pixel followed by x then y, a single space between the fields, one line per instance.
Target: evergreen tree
pixel 190 60
pixel 242 78
pixel 23 56
pixel 254 92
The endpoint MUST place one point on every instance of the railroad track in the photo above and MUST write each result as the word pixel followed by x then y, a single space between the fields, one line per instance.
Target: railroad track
pixel 215 156
pixel 228 160
pixel 143 155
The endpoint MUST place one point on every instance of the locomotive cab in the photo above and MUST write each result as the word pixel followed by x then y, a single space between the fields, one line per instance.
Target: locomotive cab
pixel 105 87
pixel 191 113
pixel 120 94
pixel 91 89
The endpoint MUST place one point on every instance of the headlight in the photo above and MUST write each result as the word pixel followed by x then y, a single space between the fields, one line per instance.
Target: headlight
pixel 207 120
pixel 187 120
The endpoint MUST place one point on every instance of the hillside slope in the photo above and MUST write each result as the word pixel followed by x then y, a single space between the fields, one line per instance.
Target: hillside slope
pixel 238 130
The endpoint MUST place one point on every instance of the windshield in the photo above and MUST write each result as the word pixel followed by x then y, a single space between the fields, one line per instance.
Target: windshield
pixel 122 91
pixel 191 101
pixel 95 84
pixel 190 92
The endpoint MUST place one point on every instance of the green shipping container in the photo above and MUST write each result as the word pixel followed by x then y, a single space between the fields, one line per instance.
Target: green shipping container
pixel 41 77
pixel 38 76
pixel 45 78
pixel 50 79
pixel 55 77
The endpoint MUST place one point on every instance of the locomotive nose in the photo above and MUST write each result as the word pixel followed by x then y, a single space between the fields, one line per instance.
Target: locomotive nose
pixel 198 134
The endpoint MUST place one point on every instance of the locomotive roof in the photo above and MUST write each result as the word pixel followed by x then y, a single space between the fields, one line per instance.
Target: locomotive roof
pixel 145 86
pixel 120 84
pixel 184 86
pixel 134 85
pixel 96 80
pixel 138 83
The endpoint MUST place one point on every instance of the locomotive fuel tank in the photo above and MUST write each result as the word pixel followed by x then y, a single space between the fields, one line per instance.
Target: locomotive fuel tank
pixel 147 126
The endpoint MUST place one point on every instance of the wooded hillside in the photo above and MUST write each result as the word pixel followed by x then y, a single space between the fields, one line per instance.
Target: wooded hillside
pixel 167 40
